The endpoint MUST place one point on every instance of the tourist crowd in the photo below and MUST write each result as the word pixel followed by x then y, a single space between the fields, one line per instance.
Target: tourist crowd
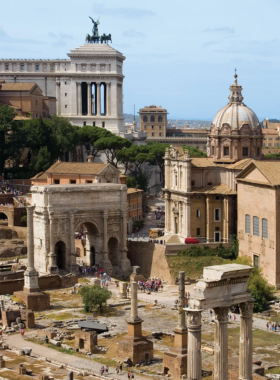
pixel 154 285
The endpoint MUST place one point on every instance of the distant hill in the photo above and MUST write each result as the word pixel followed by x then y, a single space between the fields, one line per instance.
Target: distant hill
pixel 128 118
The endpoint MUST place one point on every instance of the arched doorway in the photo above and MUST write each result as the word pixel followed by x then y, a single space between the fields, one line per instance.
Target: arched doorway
pixel 88 243
pixel 92 256
pixel 3 219
pixel 113 247
pixel 60 252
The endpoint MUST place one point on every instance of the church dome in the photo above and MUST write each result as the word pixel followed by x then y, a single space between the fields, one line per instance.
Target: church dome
pixel 235 114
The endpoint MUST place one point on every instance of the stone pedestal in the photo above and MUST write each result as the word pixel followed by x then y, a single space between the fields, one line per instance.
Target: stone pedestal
pixel 135 346
pixel 175 362
pixel 123 290
pixel 35 301
pixel 21 370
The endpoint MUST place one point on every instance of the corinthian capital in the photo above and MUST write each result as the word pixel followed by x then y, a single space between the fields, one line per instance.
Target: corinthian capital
pixel 221 314
pixel 246 309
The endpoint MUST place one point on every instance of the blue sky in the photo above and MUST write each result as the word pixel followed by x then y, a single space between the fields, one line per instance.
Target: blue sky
pixel 180 54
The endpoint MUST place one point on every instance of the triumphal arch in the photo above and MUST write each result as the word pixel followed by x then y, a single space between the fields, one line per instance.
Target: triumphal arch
pixel 58 212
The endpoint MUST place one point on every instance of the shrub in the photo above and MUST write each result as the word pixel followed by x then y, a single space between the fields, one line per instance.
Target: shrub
pixel 93 296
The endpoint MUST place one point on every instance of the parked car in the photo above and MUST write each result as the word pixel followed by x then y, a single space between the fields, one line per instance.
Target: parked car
pixel 191 241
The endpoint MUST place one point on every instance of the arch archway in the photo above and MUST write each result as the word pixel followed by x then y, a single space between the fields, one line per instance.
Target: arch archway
pixel 60 252
pixel 113 248
pixel 88 242
pixel 3 219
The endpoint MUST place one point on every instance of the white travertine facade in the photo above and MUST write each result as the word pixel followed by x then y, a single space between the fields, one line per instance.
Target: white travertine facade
pixel 88 86
pixel 61 209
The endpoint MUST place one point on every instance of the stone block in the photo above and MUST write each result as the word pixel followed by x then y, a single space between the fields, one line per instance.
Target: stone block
pixel 37 301
pixel 138 349
pixel 43 376
pixel 55 342
pixel 2 362
pixel 21 370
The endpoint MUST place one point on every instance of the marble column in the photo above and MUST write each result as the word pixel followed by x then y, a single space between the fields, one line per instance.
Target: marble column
pixel 246 341
pixel 52 267
pixel 194 344
pixel 188 214
pixel 89 99
pixel 221 344
pixel 181 299
pixel 73 267
pixel 105 234
pixel 58 97
pixel 133 292
pixel 124 229
pixel 167 214
pixel 30 275
pixel 79 84
pixel 98 99
pixel 179 218
pixel 108 84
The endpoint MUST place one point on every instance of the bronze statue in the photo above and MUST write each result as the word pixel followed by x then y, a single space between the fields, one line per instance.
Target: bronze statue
pixel 95 27
pixel 95 38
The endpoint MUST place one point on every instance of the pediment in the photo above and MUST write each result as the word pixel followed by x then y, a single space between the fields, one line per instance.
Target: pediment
pixel 256 175
pixel 109 169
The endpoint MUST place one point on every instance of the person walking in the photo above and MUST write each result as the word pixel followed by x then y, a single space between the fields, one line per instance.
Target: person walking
pixel 132 375
pixel 107 369
pixel 128 375
pixel 121 368
pixel 118 370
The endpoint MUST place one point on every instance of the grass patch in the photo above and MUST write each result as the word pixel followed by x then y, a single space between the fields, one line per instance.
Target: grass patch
pixel 83 280
pixel 274 371
pixel 18 300
pixel 20 257
pixel 59 316
pixel 193 266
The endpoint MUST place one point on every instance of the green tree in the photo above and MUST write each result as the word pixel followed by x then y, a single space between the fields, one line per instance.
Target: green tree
pixel 7 125
pixel 42 161
pixel 133 158
pixel 110 146
pixel 88 135
pixel 93 296
pixel 64 136
pixel 156 156
pixel 194 152
pixel 139 181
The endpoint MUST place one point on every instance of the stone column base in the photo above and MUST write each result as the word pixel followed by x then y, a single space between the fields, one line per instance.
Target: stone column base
pixel 138 349
pixel 175 363
pixel 35 301
pixel 74 269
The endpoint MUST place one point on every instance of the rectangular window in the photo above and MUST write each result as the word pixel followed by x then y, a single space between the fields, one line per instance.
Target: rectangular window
pixel 193 183
pixel 226 151
pixel 160 134
pixel 198 213
pixel 256 227
pixel 217 197
pixel 160 127
pixel 269 145
pixel 93 123
pixel 56 181
pixel 85 123
pixel 152 127
pixel 247 224
pixel 72 181
pixel 198 231
pixel 153 134
pixel 88 181
pixel 213 150
pixel 37 67
pixel 65 82
pixel 145 126
pixel 245 152
pixel 103 124
pixel 65 105
pixel 264 229
pixel 217 214
pixel 256 261
pixel 65 93
pixel 52 67
pixel 7 66
pixel 21 67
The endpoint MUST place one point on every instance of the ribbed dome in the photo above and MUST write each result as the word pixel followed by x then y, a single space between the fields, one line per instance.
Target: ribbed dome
pixel 235 113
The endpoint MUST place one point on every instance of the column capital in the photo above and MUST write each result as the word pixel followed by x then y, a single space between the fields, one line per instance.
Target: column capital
pixel 30 210
pixel 193 318
pixel 79 83
pixel 221 314
pixel 246 309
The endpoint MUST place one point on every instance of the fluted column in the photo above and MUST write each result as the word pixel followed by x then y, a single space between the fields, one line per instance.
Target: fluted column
pixel 134 310
pixel 79 84
pixel 246 341
pixel 167 214
pixel 194 344
pixel 188 221
pixel 179 218
pixel 108 86
pixel 30 238
pixel 221 344
pixel 105 234
pixel 98 99
pixel 58 97
pixel 52 267
pixel 30 275
pixel 89 99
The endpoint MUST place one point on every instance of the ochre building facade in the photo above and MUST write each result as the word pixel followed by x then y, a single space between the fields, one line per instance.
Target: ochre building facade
pixel 153 121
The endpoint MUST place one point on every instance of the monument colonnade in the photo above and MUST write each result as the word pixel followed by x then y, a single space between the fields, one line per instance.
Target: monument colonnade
pixel 237 293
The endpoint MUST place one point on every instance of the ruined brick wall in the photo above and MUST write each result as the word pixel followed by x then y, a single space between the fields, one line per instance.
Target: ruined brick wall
pixel 11 286
pixel 151 258
pixel 49 334
pixel 89 339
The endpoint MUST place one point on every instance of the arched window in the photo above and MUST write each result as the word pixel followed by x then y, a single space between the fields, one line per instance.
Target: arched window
pixel 160 119
pixel 145 119
pixel 247 224
pixel 152 119
pixel 256 226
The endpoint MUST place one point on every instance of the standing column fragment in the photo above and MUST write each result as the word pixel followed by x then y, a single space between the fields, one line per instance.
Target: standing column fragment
pixel 194 344
pixel 246 340
pixel 221 344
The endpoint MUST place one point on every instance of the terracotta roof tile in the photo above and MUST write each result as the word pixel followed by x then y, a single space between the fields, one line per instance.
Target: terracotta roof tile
pixel 41 175
pixel 79 168
pixel 131 190
pixel 216 189
pixel 17 86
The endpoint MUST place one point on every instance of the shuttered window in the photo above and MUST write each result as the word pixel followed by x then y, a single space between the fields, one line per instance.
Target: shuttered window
pixel 264 229
pixel 256 226
pixel 247 224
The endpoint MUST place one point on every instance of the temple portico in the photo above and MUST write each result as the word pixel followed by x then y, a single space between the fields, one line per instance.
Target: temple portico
pixel 221 287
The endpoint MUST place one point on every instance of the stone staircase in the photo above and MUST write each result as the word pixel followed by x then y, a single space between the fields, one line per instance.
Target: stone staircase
pixel 173 240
